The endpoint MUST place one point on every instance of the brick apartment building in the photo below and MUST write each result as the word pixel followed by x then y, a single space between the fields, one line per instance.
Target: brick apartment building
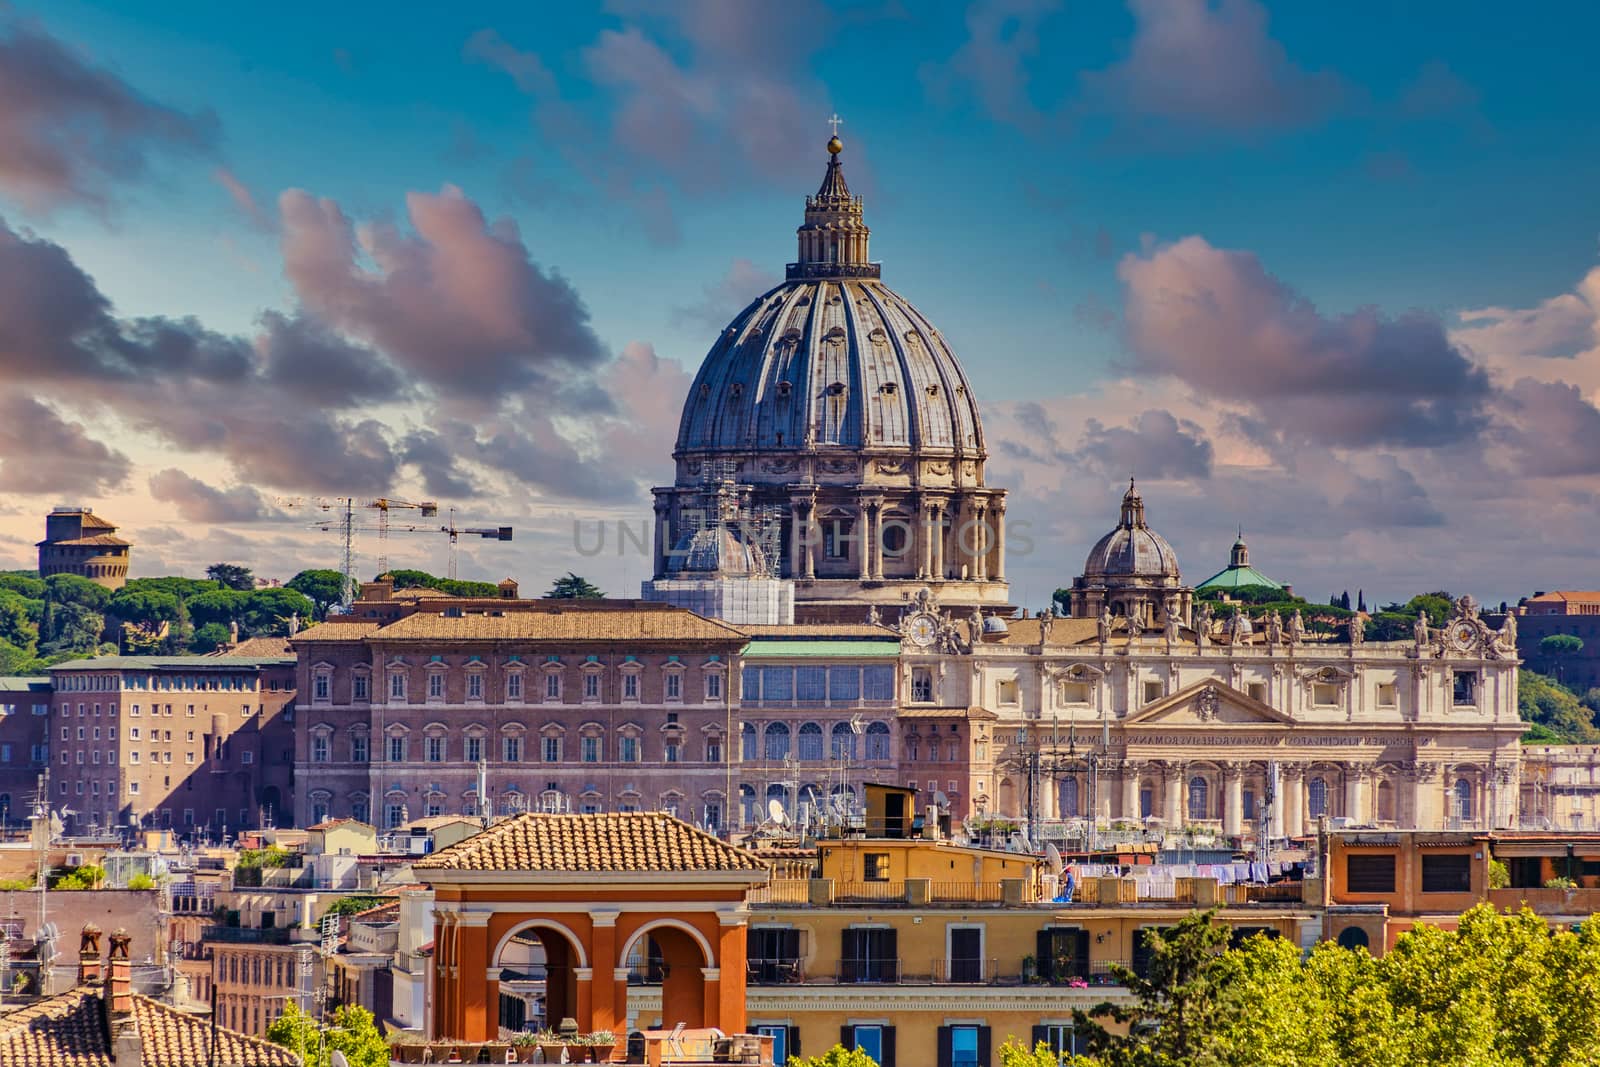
pixel 24 748
pixel 1573 612
pixel 190 743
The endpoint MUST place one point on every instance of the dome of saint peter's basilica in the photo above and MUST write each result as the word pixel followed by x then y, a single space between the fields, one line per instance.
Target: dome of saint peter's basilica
pixel 837 412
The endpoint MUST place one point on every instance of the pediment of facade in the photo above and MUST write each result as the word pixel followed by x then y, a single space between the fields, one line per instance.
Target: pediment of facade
pixel 1208 703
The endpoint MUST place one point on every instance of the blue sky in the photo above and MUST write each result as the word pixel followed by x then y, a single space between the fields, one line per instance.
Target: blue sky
pixel 1022 161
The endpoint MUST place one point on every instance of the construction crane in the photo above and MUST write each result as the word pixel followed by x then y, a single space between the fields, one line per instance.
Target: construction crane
pixel 346 525
pixel 452 531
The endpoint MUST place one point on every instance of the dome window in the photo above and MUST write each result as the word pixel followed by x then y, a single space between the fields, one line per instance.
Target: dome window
pixel 784 388
pixel 933 390
pixel 836 389
pixel 889 388
pixel 736 390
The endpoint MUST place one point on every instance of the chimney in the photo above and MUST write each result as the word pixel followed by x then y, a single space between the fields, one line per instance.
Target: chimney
pixel 508 589
pixel 89 972
pixel 127 1047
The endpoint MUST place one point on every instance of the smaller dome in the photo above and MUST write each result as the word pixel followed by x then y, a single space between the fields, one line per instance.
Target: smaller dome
pixel 1132 549
pixel 995 626
pixel 716 550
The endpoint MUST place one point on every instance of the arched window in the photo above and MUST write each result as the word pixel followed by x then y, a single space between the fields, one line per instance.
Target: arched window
pixel 777 746
pixel 810 744
pixel 1353 937
pixel 747 804
pixel 747 742
pixel 1069 798
pixel 877 741
pixel 843 741
pixel 1317 793
pixel 1463 799
pixel 1199 798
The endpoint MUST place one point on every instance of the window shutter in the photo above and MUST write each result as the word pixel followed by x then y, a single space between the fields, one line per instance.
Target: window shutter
pixel 1044 954
pixel 847 1036
pixel 789 944
pixel 983 1046
pixel 946 1052
pixel 1141 953
pixel 792 1042
pixel 1082 953
pixel 1040 1033
pixel 849 961
pixel 888 1047
pixel 890 969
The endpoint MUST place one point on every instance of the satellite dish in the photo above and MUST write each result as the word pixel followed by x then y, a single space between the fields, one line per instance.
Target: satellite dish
pixel 775 810
pixel 1052 855
pixel 338 1059
pixel 940 799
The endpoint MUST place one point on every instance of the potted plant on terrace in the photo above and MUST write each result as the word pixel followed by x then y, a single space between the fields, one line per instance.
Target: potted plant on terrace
pixel 599 1046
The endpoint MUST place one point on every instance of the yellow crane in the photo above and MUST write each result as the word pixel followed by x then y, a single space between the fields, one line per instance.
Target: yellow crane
pixel 346 525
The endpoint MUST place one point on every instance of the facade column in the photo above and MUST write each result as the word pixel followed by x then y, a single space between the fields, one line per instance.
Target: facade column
pixel 1050 797
pixel 978 537
pixel 730 988
pixel 802 547
pixel 1130 790
pixel 480 1000
pixel 1173 810
pixel 1275 812
pixel 864 528
pixel 1355 794
pixel 1294 798
pixel 1425 798
pixel 661 536
pixel 1232 799
pixel 876 547
pixel 924 537
pixel 585 1008
pixel 937 566
pixel 998 510
pixel 606 1009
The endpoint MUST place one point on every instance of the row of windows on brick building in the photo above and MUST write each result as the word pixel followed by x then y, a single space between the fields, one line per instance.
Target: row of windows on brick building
pixel 592 684
pixel 512 749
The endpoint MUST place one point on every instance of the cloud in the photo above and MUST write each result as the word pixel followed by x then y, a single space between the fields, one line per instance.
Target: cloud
pixel 1002 39
pixel 727 296
pixel 196 501
pixel 71 131
pixel 1194 64
pixel 1216 320
pixel 40 452
pixel 434 459
pixel 1562 327
pixel 242 198
pixel 1156 445
pixel 1437 90
pixel 526 68
pixel 1553 431
pixel 458 302
pixel 304 358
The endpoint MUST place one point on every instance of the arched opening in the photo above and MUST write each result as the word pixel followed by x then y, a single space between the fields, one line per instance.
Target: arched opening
pixel 777 741
pixel 1008 798
pixel 1069 798
pixel 670 954
pixel 1317 797
pixel 810 741
pixel 844 741
pixel 1353 937
pixel 747 742
pixel 1463 799
pixel 747 804
pixel 1199 799
pixel 538 964
pixel 877 741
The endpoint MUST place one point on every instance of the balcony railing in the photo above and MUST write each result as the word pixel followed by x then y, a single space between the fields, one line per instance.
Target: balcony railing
pixel 781 892
pixel 965 971
pixel 868 971
pixel 965 892
pixel 871 892
pixel 247 935
pixel 774 970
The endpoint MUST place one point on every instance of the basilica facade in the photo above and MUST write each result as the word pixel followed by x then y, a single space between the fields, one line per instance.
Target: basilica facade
pixel 1193 722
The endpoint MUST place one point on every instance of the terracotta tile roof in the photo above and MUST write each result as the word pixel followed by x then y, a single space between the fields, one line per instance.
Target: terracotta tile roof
pixel 643 624
pixel 71 1030
pixel 92 539
pixel 336 631
pixel 820 629
pixel 914 712
pixel 257 647
pixel 1062 632
pixel 615 841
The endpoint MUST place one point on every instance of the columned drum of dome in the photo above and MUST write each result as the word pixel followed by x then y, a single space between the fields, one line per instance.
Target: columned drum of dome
pixel 840 409
pixel 1132 573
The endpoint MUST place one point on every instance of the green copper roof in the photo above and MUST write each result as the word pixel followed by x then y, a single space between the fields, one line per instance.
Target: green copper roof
pixel 1235 577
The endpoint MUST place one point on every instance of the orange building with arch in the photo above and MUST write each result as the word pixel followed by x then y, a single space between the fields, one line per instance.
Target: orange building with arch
pixel 592 892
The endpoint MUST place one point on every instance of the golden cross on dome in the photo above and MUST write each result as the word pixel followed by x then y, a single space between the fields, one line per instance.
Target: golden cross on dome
pixel 835 122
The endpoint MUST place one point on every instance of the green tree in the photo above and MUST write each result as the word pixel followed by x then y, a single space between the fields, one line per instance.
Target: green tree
pixel 572 587
pixel 221 605
pixel 1181 1009
pixel 25 583
pixel 266 612
pixel 324 588
pixel 209 638
pixel 1546 703
pixel 144 607
pixel 182 588
pixel 1558 648
pixel 72 589
pixel 351 905
pixel 1015 1054
pixel 232 576
pixel 16 620
pixel 837 1056
pixel 1438 605
pixel 351 1031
